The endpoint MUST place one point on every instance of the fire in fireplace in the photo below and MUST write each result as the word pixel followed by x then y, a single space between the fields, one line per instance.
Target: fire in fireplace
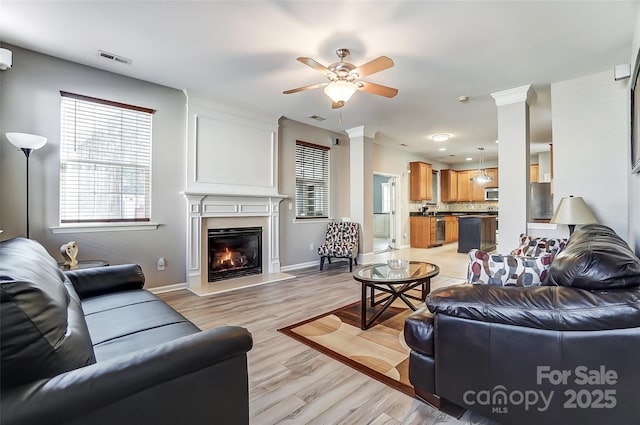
pixel 234 252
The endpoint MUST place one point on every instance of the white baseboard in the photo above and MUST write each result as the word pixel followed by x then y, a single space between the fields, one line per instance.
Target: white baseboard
pixel 300 266
pixel 168 288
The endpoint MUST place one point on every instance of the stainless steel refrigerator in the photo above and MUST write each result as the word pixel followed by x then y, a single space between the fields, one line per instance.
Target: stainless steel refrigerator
pixel 541 200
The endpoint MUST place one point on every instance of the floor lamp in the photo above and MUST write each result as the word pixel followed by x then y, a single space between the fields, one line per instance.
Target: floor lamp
pixel 27 143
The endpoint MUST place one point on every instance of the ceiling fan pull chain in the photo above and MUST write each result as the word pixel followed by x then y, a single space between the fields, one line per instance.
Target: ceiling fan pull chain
pixel 340 119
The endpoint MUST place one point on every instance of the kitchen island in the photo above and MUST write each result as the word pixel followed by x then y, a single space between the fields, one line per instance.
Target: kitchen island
pixel 476 231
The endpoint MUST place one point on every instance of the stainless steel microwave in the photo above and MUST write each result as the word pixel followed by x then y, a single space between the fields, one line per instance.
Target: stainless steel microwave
pixel 490 193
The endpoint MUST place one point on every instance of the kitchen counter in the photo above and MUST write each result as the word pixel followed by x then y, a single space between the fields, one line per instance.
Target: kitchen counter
pixel 476 231
pixel 456 213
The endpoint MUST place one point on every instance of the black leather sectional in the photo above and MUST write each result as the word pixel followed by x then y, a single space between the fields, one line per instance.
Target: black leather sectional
pixel 563 353
pixel 92 347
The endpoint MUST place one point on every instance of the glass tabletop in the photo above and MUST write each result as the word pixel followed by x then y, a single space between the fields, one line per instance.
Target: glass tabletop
pixel 382 273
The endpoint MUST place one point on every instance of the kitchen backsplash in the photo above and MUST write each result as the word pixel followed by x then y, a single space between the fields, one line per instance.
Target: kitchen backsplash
pixel 456 206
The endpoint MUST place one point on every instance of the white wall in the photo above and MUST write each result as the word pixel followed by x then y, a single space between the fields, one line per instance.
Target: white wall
pixel 591 145
pixel 30 102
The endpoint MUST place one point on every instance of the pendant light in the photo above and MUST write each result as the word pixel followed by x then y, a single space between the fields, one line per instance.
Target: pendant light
pixel 482 177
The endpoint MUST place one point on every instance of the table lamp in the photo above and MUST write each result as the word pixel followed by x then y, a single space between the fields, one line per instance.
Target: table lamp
pixel 572 211
pixel 27 143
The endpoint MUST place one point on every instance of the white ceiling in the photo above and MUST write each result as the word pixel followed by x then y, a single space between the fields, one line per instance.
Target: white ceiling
pixel 242 54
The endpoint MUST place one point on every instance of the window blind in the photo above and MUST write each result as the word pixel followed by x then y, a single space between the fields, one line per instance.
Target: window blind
pixel 105 161
pixel 312 180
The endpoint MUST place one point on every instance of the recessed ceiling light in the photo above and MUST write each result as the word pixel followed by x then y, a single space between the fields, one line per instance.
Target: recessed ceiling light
pixel 404 144
pixel 442 137
pixel 497 141
pixel 462 98
pixel 442 149
pixel 317 117
pixel 469 159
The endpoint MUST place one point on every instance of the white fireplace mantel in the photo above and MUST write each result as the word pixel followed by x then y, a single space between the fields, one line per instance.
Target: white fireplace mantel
pixel 202 206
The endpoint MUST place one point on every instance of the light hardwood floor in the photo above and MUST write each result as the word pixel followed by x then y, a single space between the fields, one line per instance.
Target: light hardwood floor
pixel 290 383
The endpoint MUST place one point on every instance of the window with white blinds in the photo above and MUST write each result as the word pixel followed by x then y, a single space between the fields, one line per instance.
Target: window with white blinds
pixel 105 161
pixel 312 180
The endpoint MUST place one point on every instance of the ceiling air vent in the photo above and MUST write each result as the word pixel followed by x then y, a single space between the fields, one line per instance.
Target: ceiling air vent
pixel 317 118
pixel 114 58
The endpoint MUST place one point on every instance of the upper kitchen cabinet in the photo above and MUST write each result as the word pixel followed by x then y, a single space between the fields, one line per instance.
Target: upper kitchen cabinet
pixel 449 185
pixel 476 190
pixel 493 173
pixel 464 186
pixel 534 173
pixel 469 191
pixel 420 181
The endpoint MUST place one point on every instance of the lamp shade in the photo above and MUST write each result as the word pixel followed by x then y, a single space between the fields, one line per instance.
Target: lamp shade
pixel 340 91
pixel 26 140
pixel 573 210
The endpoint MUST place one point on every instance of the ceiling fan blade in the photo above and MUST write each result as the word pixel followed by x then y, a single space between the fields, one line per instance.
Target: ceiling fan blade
pixel 377 89
pixel 313 64
pixel 299 89
pixel 336 105
pixel 376 65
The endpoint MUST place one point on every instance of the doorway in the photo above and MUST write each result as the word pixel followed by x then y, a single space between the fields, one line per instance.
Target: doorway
pixel 384 212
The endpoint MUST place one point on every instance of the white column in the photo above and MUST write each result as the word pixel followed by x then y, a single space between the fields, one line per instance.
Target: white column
pixel 361 190
pixel 513 164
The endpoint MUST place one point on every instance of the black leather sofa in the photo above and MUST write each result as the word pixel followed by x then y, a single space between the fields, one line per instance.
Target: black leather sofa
pixel 563 353
pixel 92 347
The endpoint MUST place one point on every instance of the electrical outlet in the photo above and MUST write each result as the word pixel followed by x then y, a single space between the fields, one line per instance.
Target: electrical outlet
pixel 161 263
pixel 311 247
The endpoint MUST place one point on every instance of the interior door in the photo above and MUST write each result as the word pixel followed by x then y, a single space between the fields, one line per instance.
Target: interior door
pixel 389 202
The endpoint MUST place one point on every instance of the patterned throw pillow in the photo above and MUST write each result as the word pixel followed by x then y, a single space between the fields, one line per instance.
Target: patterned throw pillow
pixel 507 270
pixel 532 247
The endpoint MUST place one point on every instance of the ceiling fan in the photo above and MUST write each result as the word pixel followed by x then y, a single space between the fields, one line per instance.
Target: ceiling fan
pixel 344 78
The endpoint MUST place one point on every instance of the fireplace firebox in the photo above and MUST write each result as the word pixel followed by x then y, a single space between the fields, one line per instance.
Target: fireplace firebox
pixel 234 252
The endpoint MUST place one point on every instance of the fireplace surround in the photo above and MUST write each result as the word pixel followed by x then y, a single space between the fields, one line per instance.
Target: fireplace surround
pixel 209 212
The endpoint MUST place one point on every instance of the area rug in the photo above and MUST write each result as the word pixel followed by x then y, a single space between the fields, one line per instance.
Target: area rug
pixel 379 352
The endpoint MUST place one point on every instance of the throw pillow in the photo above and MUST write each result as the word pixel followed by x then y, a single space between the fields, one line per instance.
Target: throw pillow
pixel 532 247
pixel 507 270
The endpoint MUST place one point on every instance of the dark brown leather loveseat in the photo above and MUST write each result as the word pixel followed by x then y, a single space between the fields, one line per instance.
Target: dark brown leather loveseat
pixel 564 353
pixel 92 347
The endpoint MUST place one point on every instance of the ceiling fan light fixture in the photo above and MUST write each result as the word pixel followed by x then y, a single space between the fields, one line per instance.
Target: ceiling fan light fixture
pixel 340 90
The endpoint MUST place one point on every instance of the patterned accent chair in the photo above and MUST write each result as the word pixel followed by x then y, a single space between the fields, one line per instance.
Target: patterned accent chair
pixel 341 241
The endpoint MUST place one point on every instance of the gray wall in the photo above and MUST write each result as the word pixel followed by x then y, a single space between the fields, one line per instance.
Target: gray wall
pixel 296 236
pixel 30 103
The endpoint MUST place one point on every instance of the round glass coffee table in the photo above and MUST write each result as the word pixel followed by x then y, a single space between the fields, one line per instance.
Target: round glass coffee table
pixel 396 283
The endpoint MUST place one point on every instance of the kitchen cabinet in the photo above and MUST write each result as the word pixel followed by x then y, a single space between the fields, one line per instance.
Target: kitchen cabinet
pixel 456 186
pixel 448 185
pixel 476 190
pixel 420 181
pixel 534 173
pixel 464 194
pixel 422 231
pixel 451 229
pixel 493 173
